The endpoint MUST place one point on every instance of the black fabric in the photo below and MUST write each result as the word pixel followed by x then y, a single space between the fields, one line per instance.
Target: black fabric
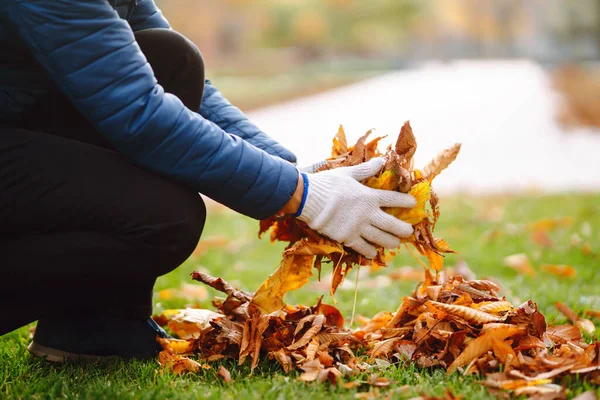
pixel 83 231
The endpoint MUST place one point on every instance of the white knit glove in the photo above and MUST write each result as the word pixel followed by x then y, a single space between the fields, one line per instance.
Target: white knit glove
pixel 339 206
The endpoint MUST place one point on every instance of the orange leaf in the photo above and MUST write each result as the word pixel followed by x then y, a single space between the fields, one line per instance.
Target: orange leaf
pixel 520 263
pixel 505 353
pixel 224 374
pixel 482 344
pixel 340 145
pixel 562 271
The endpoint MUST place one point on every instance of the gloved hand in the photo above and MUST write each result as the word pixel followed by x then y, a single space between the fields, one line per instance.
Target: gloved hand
pixel 310 169
pixel 337 205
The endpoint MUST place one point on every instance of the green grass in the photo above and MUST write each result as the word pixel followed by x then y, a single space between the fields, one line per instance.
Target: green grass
pixel 482 230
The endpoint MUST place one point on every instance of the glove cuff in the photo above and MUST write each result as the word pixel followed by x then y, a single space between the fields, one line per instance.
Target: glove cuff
pixel 304 195
pixel 316 193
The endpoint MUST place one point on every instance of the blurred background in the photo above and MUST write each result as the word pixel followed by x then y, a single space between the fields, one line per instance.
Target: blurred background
pixel 488 73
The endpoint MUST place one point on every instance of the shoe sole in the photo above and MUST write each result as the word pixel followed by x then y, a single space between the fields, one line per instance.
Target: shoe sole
pixel 59 356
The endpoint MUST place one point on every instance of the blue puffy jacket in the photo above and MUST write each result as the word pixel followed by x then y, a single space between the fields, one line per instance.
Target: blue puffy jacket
pixel 88 49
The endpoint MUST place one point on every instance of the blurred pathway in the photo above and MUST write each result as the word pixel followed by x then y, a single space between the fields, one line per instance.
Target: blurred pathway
pixel 502 112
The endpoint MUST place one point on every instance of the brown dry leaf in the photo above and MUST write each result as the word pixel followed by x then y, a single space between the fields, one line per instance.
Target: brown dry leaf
pixel 589 395
pixel 333 316
pixel 178 364
pixel 593 313
pixel 317 324
pixel 340 145
pixel 311 370
pixel 406 144
pixel 505 353
pixel 224 374
pixel 190 322
pixel 567 312
pixel 441 161
pixel 520 263
pixel 383 347
pixel 468 314
pixel 482 344
pixel 562 271
pixel 494 307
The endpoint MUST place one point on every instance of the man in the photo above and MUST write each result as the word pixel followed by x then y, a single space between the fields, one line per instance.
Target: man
pixel 108 131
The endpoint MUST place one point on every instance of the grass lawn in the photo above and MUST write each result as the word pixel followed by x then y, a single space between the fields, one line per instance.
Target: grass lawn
pixel 483 231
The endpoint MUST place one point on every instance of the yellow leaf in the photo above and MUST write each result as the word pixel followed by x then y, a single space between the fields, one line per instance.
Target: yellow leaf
pixel 177 346
pixel 293 273
pixel 436 261
pixel 421 192
pixel 385 181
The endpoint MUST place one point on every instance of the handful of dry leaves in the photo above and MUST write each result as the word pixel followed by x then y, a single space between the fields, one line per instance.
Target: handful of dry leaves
pixel 307 248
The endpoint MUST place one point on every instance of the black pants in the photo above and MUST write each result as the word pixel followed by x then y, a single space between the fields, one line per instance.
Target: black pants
pixel 83 231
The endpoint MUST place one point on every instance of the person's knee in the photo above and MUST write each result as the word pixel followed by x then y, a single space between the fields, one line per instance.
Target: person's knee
pixel 181 231
pixel 177 63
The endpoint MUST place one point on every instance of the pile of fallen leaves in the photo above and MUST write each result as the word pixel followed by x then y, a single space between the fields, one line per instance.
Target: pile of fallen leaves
pixel 455 324
pixel 447 322
pixel 581 103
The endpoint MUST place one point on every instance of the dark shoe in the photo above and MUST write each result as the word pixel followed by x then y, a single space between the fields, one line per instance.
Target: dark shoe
pixel 95 338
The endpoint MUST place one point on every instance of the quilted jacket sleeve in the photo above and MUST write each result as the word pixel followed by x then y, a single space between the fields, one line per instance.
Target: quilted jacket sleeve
pixel 215 107
pixel 92 55
pixel 146 15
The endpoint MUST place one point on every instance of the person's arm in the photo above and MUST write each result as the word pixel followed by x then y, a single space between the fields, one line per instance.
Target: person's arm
pixel 92 56
pixel 215 107
pixel 146 15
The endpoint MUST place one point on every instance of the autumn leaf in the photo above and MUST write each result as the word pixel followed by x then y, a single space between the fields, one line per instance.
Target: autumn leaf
pixel 177 346
pixel 520 263
pixel 190 322
pixel 340 145
pixel 386 181
pixel 482 344
pixel 224 374
pixel 406 145
pixel 179 364
pixel 562 271
pixel 441 161
pixel 293 273
pixel 421 192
